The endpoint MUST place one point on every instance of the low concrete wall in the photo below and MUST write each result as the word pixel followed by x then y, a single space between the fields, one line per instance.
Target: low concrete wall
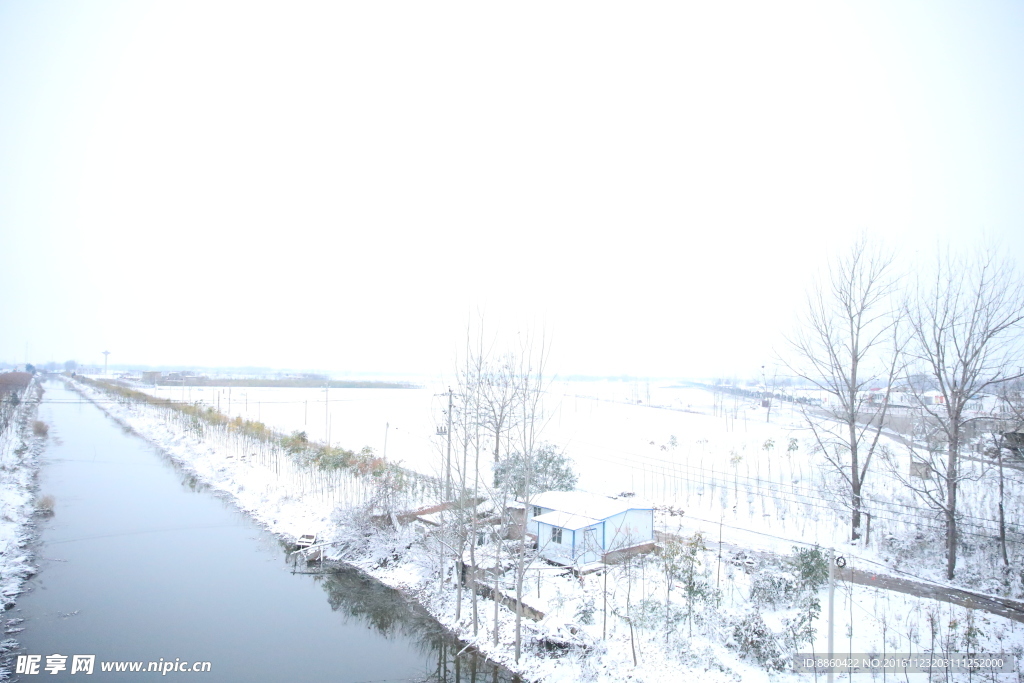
pixel 619 555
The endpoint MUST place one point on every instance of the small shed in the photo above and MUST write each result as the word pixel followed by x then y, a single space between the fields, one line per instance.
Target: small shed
pixel 576 527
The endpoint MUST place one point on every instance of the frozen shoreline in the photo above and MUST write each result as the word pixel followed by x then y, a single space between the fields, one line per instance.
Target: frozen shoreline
pixel 19 460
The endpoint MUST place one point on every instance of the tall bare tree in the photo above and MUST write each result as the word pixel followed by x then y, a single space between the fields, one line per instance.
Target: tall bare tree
pixel 498 391
pixel 1007 445
pixel 530 386
pixel 846 345
pixel 965 322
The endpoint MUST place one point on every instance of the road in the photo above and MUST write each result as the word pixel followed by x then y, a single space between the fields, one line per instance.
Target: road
pixel 1004 607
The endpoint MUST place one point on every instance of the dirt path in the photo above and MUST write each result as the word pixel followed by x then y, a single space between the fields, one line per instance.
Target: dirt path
pixel 1004 607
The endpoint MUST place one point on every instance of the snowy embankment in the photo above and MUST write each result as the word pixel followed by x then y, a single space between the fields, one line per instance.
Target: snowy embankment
pixel 271 490
pixel 19 463
pixel 714 619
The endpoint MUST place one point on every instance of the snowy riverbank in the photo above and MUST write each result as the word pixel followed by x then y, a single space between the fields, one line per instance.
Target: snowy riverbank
pixel 20 447
pixel 269 495
pixel 725 621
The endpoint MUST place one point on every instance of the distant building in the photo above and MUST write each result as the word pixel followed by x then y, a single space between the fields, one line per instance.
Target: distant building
pixel 152 377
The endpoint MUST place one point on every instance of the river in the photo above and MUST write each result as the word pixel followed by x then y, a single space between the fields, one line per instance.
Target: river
pixel 142 563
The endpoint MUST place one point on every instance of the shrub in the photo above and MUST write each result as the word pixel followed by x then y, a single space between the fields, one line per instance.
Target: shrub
pixel 769 589
pixel 45 505
pixel 40 428
pixel 585 611
pixel 810 567
pixel 753 638
pixel 551 471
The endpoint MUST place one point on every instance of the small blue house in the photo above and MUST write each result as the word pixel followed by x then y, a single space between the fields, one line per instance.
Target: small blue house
pixel 575 527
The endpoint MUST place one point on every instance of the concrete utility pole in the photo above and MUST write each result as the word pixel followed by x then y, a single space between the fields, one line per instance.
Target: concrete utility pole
pixel 448 459
pixel 105 354
pixel 831 607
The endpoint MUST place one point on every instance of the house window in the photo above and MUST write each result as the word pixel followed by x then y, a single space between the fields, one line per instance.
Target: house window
pixel 556 535
pixel 536 510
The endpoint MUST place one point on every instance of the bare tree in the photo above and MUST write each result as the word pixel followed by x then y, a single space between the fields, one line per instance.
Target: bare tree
pixel 847 345
pixel 768 398
pixel 530 389
pixel 498 396
pixel 965 325
pixel 1007 442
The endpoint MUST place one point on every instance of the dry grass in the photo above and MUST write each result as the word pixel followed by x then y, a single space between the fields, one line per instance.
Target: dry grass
pixel 45 505
pixel 14 381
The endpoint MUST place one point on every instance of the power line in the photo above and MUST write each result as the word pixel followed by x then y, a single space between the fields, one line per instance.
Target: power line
pixel 778 497
pixel 670 467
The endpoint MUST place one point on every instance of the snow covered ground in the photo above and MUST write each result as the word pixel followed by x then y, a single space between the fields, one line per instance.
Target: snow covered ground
pixel 714 455
pixel 707 459
pixel 19 463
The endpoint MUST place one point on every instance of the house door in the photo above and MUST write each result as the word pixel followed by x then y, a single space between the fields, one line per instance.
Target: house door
pixel 591 546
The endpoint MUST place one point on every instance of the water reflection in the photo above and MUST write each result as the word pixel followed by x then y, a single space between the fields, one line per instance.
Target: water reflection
pixel 131 532
pixel 392 615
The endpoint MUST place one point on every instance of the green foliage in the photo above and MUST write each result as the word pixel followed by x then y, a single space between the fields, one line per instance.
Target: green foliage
pixel 297 444
pixel 800 577
pixel 672 563
pixel 799 630
pixel 585 611
pixel 771 589
pixel 691 548
pixel 754 639
pixel 551 471
pixel 648 613
pixel 810 566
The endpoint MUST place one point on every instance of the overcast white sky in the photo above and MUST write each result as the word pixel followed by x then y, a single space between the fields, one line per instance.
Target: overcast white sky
pixel 338 185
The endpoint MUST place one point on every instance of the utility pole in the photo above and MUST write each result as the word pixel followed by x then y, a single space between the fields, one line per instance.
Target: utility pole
pixel 448 459
pixel 831 607
pixel 387 426
pixel 327 413
pixel 105 354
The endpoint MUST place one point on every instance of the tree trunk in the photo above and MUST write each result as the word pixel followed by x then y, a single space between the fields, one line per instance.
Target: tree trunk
pixel 855 480
pixel 458 589
pixel 951 482
pixel 1002 518
pixel 494 594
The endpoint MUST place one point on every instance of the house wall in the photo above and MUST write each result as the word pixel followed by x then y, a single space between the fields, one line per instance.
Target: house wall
pixel 628 528
pixel 589 552
pixel 556 552
pixel 574 547
pixel 531 526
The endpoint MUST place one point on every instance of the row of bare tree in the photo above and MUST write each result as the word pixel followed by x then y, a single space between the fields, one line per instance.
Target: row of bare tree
pixel 937 336
pixel 494 416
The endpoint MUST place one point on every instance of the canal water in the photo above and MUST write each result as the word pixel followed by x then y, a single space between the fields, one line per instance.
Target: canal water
pixel 141 563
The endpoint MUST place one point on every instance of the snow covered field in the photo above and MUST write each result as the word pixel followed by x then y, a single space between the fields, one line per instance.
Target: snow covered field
pixel 713 455
pixel 725 471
